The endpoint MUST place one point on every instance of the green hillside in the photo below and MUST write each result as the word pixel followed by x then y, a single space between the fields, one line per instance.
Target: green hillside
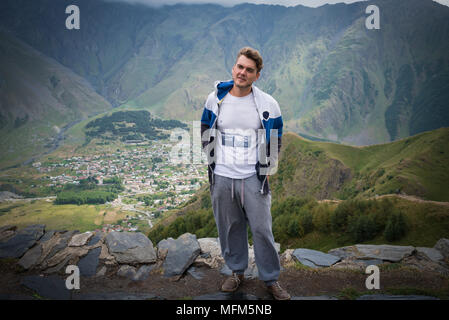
pixel 418 165
pixel 39 98
pixel 310 172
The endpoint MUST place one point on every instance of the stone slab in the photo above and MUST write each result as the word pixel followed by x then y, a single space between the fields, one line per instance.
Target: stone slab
pixel 442 246
pixel 131 247
pixel 89 263
pixel 31 257
pixel 80 239
pixel 16 246
pixel 432 253
pixel 378 252
pixel 314 258
pixel 180 254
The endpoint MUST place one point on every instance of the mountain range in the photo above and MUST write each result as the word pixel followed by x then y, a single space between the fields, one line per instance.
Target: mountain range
pixel 334 79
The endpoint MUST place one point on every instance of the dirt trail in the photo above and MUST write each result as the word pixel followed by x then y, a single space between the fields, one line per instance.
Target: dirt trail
pixel 403 196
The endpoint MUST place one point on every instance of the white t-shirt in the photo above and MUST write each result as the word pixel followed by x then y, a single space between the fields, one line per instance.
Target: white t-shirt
pixel 236 147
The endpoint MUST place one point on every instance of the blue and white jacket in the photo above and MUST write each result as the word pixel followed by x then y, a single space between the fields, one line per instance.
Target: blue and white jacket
pixel 270 118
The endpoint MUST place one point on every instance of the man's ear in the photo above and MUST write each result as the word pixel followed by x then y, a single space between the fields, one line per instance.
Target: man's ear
pixel 257 75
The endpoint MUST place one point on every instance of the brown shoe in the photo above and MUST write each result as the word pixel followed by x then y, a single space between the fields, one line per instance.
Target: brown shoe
pixel 277 292
pixel 232 283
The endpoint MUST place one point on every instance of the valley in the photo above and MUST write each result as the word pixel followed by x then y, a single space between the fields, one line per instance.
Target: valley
pixel 152 185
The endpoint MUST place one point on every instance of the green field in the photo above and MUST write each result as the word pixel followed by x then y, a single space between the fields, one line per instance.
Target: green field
pixel 59 217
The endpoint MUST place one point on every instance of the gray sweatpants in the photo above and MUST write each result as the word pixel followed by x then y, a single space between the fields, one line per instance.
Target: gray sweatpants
pixel 236 202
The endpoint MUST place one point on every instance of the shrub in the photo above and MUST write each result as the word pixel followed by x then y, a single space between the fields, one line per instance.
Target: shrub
pixel 321 218
pixel 306 222
pixel 363 228
pixel 396 227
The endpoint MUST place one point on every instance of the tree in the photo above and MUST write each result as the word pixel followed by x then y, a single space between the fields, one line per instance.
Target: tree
pixel 396 227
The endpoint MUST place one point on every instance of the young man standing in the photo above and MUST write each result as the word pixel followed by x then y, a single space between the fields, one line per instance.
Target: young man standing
pixel 235 115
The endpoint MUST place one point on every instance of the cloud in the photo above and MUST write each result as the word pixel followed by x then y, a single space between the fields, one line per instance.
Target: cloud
pixel 230 3
pixel 445 2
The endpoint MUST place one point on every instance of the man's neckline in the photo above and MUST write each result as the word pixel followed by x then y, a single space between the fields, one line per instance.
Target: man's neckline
pixel 250 93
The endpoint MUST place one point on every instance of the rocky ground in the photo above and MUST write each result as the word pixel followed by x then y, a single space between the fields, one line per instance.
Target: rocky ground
pixel 126 266
pixel 300 283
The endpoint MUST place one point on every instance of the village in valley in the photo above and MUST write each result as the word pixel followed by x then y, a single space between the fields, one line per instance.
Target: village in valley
pixel 152 183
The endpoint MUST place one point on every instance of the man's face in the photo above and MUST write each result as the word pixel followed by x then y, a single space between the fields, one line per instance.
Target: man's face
pixel 244 72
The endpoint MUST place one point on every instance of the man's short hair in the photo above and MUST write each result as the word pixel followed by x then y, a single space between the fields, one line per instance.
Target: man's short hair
pixel 252 54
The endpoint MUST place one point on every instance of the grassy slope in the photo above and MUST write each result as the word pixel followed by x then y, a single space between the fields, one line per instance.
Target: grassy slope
pixel 48 94
pixel 418 165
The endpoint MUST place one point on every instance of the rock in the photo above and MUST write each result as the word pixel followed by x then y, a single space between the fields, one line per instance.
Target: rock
pixel 102 271
pixel 47 236
pixel 16 246
pixel 143 273
pixel 69 255
pixel 443 247
pixel 162 248
pixel 344 252
pixel 132 273
pixel 315 259
pixel 211 246
pixel 432 253
pixel 180 254
pixel 105 256
pixel 58 267
pixel 7 232
pixel 350 264
pixel 80 239
pixel 210 253
pixel 88 264
pixel 394 297
pixel 96 238
pixel 198 275
pixel 57 243
pixel 378 252
pixel 52 287
pixel 423 263
pixel 31 257
pixel 371 262
pixel 127 271
pixel 130 247
pixel 287 256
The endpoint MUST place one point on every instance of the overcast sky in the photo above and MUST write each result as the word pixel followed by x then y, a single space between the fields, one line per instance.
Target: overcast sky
pixel 309 3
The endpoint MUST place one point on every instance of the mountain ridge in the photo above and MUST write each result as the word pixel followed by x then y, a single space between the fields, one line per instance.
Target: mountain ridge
pixel 333 78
